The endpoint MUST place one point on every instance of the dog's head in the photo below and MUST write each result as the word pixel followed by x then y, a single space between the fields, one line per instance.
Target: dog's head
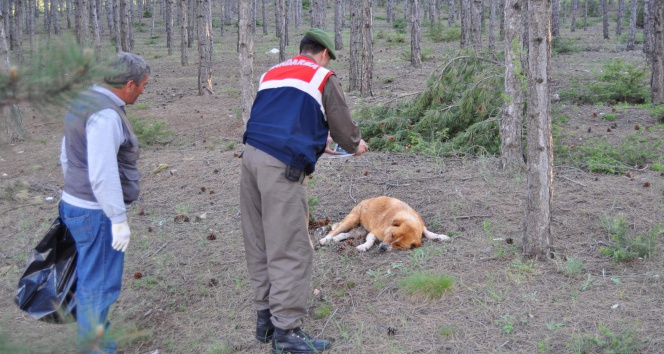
pixel 404 234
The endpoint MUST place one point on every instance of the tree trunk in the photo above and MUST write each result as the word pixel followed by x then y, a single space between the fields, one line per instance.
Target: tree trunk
pixel 493 4
pixel 466 25
pixel 280 13
pixel 355 38
pixel 81 22
pixel 605 17
pixel 116 25
pixel 621 14
pixel 646 27
pixel 656 52
pixel 573 8
pixel 367 49
pixel 632 25
pixel 96 36
pixel 55 5
pixel 192 17
pixel 125 37
pixel 18 33
pixel 450 14
pixel 338 21
pixel 555 18
pixel 246 58
pixel 537 241
pixel 476 25
pixel 204 47
pixel 11 119
pixel 511 121
pixel 390 9
pixel 318 14
pixel 184 45
pixel 169 26
pixel 415 30
pixel 585 15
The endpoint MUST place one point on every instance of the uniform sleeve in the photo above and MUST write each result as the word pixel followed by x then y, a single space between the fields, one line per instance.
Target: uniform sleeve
pixel 343 129
pixel 105 135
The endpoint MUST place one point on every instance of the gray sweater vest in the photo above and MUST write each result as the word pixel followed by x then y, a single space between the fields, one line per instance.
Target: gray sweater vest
pixel 77 181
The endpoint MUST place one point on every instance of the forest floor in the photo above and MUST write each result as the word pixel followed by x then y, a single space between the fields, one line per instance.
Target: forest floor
pixel 186 288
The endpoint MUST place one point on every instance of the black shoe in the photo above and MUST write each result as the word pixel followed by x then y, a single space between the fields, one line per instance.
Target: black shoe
pixel 296 341
pixel 264 326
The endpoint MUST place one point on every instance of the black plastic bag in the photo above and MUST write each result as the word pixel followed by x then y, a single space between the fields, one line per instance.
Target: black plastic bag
pixel 46 288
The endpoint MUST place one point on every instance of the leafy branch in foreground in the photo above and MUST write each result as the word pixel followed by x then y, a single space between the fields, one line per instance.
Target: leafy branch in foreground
pixel 55 74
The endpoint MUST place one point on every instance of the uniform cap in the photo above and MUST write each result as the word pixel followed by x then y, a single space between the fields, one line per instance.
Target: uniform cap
pixel 324 39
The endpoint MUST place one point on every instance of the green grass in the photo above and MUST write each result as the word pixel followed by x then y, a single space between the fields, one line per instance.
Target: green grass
pixel 426 286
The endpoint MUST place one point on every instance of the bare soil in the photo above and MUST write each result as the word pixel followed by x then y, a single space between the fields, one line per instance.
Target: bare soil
pixel 186 287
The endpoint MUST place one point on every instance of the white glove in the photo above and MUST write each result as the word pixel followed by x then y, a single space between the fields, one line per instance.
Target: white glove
pixel 121 234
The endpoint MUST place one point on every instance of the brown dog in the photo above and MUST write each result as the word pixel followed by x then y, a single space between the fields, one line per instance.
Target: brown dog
pixel 394 223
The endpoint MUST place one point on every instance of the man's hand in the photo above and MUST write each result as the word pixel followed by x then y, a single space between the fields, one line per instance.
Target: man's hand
pixel 327 146
pixel 121 235
pixel 361 148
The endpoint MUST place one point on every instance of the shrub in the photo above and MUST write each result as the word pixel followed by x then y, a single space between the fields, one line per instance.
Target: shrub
pixel 562 45
pixel 617 82
pixel 624 247
pixel 151 134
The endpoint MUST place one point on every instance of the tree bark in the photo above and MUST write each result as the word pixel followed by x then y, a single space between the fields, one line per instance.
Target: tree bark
pixel 338 21
pixel 169 26
pixel 493 4
pixel 18 33
pixel 125 24
pixel 246 58
pixel 476 25
pixel 466 25
pixel 537 240
pixel 656 52
pixel 512 117
pixel 367 49
pixel 11 119
pixel 415 30
pixel 81 22
pixel 96 36
pixel 184 38
pixel 573 8
pixel 450 15
pixel 605 17
pixel 632 25
pixel 621 14
pixel 318 13
pixel 204 26
pixel 646 28
pixel 280 13
pixel 354 50
pixel 555 18
pixel 117 26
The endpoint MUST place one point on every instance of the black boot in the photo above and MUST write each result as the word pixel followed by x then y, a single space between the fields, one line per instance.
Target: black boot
pixel 296 341
pixel 264 326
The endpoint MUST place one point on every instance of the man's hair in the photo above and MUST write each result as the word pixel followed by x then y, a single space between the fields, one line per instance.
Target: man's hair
pixel 126 67
pixel 308 45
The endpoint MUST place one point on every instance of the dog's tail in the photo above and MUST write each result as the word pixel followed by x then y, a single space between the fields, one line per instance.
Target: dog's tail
pixel 432 236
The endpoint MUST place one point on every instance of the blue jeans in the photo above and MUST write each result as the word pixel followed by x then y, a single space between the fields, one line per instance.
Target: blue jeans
pixel 99 270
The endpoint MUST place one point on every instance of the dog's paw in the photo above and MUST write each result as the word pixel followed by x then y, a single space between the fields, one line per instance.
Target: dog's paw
pixel 362 248
pixel 442 237
pixel 323 241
